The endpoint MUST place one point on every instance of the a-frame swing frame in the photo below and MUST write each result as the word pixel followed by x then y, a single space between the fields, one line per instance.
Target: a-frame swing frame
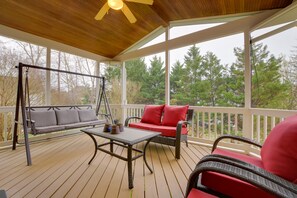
pixel 21 103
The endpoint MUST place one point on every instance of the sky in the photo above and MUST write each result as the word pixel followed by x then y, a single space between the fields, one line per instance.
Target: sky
pixel 281 44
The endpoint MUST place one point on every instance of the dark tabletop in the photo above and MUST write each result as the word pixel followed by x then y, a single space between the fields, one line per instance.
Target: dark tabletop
pixel 129 136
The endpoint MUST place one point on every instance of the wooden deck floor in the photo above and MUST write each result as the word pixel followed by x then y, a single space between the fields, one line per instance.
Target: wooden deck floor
pixel 60 169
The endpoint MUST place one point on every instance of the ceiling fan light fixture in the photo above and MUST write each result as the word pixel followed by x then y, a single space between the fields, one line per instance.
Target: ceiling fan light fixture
pixel 116 4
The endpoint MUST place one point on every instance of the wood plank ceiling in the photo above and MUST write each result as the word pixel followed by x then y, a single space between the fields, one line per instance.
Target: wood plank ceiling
pixel 72 21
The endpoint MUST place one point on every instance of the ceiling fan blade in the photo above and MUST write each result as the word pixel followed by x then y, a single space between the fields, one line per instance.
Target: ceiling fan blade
pixel 149 2
pixel 102 12
pixel 127 12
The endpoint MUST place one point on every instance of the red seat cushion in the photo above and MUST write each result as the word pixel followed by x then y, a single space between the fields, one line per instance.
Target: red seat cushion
pixel 173 114
pixel 229 185
pixel 168 131
pixel 194 193
pixel 279 151
pixel 152 114
pixel 246 158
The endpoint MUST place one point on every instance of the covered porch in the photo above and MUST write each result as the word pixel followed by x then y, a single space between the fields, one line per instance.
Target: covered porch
pixel 60 166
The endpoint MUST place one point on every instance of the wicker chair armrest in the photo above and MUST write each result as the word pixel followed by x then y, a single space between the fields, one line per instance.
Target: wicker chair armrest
pixel 239 173
pixel 181 122
pixel 242 139
pixel 130 118
pixel 250 167
pixel 180 125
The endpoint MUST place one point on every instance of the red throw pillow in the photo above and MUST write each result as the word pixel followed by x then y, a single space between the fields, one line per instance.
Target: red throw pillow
pixel 152 114
pixel 173 114
pixel 279 151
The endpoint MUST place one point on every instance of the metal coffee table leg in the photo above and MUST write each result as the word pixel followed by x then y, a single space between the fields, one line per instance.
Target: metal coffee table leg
pixel 130 177
pixel 96 145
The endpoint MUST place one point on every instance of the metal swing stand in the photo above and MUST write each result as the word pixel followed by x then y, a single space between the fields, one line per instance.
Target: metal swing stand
pixel 21 103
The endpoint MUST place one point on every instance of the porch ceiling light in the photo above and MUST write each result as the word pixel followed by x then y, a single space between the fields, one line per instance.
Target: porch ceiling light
pixel 116 4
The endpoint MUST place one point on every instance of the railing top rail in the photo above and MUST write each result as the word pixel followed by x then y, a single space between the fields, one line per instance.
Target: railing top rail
pixel 273 112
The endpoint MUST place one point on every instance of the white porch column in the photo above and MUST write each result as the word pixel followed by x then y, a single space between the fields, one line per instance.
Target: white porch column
pixel 247 117
pixel 124 92
pixel 48 78
pixel 167 67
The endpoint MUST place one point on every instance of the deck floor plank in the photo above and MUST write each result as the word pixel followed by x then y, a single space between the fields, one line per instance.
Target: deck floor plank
pixel 28 174
pixel 85 176
pixel 63 160
pixel 105 182
pixel 60 169
pixel 37 183
pixel 61 180
pixel 18 157
pixel 139 175
pixel 177 169
pixel 161 183
pixel 91 185
pixel 115 183
pixel 172 181
pixel 124 190
pixel 150 182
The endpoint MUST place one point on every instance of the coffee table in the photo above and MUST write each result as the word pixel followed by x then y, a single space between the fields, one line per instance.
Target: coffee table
pixel 126 139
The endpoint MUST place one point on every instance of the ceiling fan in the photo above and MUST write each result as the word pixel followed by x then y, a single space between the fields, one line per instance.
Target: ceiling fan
pixel 120 5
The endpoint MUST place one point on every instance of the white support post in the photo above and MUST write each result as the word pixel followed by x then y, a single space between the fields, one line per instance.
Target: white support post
pixel 247 116
pixel 167 67
pixel 124 92
pixel 48 78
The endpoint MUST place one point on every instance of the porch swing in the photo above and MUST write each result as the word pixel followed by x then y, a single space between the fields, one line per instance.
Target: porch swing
pixel 47 119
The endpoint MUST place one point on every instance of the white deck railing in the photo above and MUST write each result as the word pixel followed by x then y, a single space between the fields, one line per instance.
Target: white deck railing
pixel 208 122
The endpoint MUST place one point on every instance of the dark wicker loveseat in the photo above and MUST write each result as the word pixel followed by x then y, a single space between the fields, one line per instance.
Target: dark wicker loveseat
pixel 173 127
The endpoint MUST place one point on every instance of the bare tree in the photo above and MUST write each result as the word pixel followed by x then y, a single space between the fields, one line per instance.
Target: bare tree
pixel 8 75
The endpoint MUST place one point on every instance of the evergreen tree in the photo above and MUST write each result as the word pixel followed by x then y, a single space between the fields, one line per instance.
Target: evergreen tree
pixel 234 92
pixel 194 70
pixel 177 84
pixel 268 91
pixel 213 80
pixel 136 70
pixel 290 78
pixel 112 72
pixel 136 73
pixel 153 89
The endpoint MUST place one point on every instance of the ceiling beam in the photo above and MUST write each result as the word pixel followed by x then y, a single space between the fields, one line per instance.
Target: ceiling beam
pixel 286 14
pixel 276 31
pixel 227 29
pixel 212 19
pixel 154 34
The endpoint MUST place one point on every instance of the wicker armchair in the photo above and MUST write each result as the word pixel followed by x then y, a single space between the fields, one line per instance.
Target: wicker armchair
pixel 242 171
pixel 277 163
